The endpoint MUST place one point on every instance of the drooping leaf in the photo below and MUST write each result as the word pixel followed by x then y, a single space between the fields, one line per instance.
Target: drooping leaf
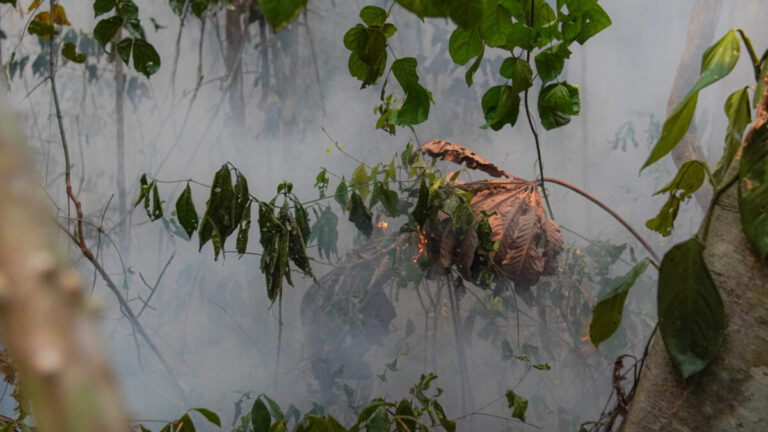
pixel 280 13
pixel 360 215
pixel 124 48
pixel 341 195
pixel 185 211
pixel 421 209
pixel 464 45
pixel 717 62
pixel 501 106
pixel 753 190
pixel 688 180
pixel 606 316
pixel 519 71
pixel 550 61
pixel 739 115
pixel 106 29
pixel 469 75
pixel 145 59
pixel 209 415
pixel 241 244
pixel 459 154
pixel 69 52
pixel 557 103
pixel 373 16
pixel 219 219
pixel 360 181
pixel 690 310
pixel 157 204
pixel 274 408
pixel 518 404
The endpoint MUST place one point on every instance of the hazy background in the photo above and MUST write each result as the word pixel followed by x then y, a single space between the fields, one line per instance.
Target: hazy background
pixel 212 320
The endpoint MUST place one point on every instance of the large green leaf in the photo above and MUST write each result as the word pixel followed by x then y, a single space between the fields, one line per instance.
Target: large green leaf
pixel 373 16
pixel 501 105
pixel 145 59
pixel 753 190
pixel 550 61
pixel 416 107
pixel 717 62
pixel 464 45
pixel 260 418
pixel 688 180
pixel 690 310
pixel 422 8
pixel 185 211
pixel 739 115
pixel 220 218
pixel 496 24
pixel 606 316
pixel 106 29
pixel 360 181
pixel 519 71
pixel 360 215
pixel 280 13
pixel 557 103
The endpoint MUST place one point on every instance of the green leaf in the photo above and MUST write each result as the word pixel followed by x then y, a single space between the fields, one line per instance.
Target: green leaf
pixel 550 62
pixel 593 22
pixel 522 36
pixel 519 71
pixel 468 77
pixel 501 105
pixel 404 70
pixel 496 24
pixel 360 215
pixel 341 195
pixel 373 16
pixel 260 418
pixel 465 45
pixel 145 59
pixel 280 13
pixel 448 425
pixel 390 202
pixel 274 408
pixel 177 6
pixel 416 107
pixel 68 52
pixel 157 204
pixel 753 190
pixel 241 244
pixel 356 38
pixel 220 218
pixel 209 415
pixel 518 404
pixel 360 181
pixel 106 29
pixel 606 316
pixel 185 211
pixel 688 180
pixel 422 8
pixel 325 232
pixel 124 49
pixel 690 310
pixel 405 412
pixel 739 115
pixel 379 421
pixel 557 103
pixel 717 62
pixel 421 209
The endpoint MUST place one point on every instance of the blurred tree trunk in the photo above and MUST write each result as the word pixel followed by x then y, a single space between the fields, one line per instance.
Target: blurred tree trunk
pixel 45 324
pixel 236 26
pixel 701 32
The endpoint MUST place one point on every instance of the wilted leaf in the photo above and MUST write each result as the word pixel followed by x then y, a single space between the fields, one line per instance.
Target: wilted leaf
pixel 753 190
pixel 518 404
pixel 68 52
pixel 185 211
pixel 360 215
pixel 459 154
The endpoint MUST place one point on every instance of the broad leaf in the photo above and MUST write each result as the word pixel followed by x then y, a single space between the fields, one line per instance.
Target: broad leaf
pixel 690 310
pixel 469 75
pixel 496 24
pixel 373 16
pixel 68 52
pixel 185 211
pixel 464 45
pixel 145 59
pixel 753 191
pixel 106 29
pixel 360 215
pixel 124 48
pixel 280 13
pixel 501 105
pixel 519 71
pixel 550 62
pixel 360 181
pixel 260 418
pixel 557 103
pixel 606 316
pixel 209 415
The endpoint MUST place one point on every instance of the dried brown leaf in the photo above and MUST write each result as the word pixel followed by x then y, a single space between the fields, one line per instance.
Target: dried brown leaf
pixel 459 154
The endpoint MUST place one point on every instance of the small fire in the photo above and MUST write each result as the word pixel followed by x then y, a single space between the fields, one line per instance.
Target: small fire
pixel 383 225
pixel 421 247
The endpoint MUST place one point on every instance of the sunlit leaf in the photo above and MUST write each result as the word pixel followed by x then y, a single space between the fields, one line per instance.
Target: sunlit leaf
pixel 518 404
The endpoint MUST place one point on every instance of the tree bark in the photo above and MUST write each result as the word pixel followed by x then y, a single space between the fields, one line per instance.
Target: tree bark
pixel 45 324
pixel 732 392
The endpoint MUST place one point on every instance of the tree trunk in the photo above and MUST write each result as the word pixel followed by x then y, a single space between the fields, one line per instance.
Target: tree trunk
pixel 731 393
pixel 45 324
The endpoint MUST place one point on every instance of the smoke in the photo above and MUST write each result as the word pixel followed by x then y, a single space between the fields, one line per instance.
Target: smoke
pixel 212 319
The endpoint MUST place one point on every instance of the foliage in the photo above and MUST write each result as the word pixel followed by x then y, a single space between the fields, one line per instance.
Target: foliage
pixel 146 60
